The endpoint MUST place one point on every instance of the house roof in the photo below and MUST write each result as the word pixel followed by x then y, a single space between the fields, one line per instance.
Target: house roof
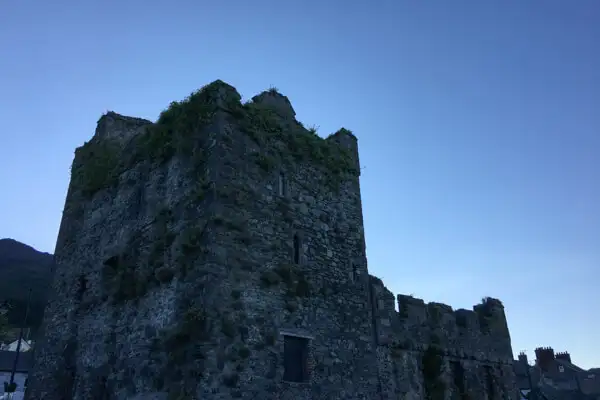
pixel 567 364
pixel 24 344
pixel 7 360
pixel 594 370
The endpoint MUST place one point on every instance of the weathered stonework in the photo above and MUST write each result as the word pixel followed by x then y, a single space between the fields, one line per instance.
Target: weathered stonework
pixel 191 248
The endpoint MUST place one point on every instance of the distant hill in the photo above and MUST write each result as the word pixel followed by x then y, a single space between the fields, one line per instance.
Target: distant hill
pixel 23 267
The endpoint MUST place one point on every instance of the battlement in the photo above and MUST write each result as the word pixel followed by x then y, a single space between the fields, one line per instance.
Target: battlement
pixel 277 102
pixel 411 308
pixel 266 125
pixel 113 126
pixel 480 333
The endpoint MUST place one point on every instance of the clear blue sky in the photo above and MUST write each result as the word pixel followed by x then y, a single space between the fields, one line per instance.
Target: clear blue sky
pixel 478 124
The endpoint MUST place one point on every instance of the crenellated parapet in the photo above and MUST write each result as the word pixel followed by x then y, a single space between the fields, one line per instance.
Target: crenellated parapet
pixel 113 126
pixel 477 334
pixel 210 118
pixel 451 353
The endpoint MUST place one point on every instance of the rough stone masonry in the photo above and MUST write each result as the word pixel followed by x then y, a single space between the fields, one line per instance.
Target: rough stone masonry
pixel 219 253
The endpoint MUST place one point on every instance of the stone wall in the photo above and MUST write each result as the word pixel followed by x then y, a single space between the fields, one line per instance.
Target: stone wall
pixel 432 350
pixel 193 250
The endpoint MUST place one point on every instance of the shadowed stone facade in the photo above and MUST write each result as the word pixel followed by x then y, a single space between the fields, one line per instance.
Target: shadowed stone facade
pixel 219 253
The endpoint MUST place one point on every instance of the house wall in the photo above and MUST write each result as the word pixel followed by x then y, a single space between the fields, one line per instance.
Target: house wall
pixel 590 383
pixel 19 380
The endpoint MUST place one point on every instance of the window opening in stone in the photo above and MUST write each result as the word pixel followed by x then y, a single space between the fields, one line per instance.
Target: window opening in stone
pixel 489 379
pixel 282 188
pixel 354 272
pixel 82 287
pixel 112 261
pixel 295 359
pixel 296 249
pixel 458 374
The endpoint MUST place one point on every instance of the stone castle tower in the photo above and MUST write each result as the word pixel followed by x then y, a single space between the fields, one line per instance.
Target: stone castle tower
pixel 219 253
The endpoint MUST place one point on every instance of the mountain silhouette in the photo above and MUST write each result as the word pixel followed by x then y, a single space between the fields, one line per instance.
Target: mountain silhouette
pixel 22 267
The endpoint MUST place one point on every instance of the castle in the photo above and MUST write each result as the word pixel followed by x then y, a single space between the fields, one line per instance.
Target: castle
pixel 220 253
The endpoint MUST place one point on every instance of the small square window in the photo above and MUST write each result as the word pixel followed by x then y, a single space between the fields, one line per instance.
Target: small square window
pixel 561 368
pixel 295 359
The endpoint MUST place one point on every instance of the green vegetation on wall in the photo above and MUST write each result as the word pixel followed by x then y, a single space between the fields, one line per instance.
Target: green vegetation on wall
pixel 96 166
pixel 295 280
pixel 99 163
pixel 121 277
pixel 485 312
pixel 265 127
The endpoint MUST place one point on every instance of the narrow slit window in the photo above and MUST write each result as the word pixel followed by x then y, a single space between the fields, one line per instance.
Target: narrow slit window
pixel 282 189
pixel 295 359
pixel 82 287
pixel 354 272
pixel 297 246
